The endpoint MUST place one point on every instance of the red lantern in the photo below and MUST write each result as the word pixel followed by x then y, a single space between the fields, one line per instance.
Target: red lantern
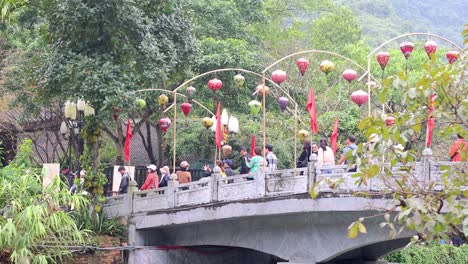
pixel 382 58
pixel 349 75
pixel 278 76
pixel 215 84
pixel 283 103
pixel 406 48
pixel 165 123
pixel 430 48
pixel 390 120
pixel 452 56
pixel 302 65
pixel 360 97
pixel 186 108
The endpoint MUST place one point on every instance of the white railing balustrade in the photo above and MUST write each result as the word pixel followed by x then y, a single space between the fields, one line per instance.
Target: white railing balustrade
pixel 334 179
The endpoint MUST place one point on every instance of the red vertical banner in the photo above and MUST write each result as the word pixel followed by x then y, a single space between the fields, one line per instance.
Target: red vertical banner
pixel 128 138
pixel 430 121
pixel 219 132
pixel 312 111
pixel 252 146
pixel 334 136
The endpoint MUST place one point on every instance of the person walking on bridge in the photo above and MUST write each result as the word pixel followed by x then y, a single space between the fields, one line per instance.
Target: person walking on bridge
pixel 347 156
pixel 272 160
pixel 152 179
pixel 245 159
pixel 256 164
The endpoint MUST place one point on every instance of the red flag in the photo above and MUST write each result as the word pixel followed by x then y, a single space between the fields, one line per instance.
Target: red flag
pixel 430 121
pixel 252 146
pixel 128 138
pixel 334 136
pixel 219 132
pixel 312 111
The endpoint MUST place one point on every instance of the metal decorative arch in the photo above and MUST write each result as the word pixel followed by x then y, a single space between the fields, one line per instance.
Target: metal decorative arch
pixel 454 45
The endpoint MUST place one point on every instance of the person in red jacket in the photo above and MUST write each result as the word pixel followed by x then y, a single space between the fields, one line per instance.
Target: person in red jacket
pixel 152 179
pixel 459 150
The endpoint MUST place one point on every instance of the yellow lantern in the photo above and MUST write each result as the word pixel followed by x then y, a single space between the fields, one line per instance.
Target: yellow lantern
pixel 207 122
pixel 327 66
pixel 163 100
pixel 302 135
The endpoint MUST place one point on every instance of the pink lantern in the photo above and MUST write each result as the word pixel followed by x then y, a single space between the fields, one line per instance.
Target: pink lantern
pixel 186 108
pixel 261 89
pixel 349 75
pixel 215 84
pixel 360 97
pixel 278 76
pixel 190 91
pixel 165 123
pixel 382 58
pixel 452 56
pixel 430 48
pixel 302 65
pixel 406 48
pixel 390 120
pixel 283 103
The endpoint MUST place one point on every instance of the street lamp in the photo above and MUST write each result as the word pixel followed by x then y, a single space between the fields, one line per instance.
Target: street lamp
pixel 70 128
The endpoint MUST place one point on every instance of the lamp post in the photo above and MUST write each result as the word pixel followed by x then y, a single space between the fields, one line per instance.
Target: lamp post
pixel 70 128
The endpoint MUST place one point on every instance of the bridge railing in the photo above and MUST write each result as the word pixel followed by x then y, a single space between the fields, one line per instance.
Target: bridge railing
pixel 337 179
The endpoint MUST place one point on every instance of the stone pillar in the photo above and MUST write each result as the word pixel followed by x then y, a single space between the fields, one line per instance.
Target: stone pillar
pixel 132 188
pixel 260 184
pixel 312 171
pixel 171 190
pixel 214 186
pixel 425 176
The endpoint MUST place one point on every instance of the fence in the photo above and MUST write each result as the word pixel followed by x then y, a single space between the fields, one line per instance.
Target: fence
pixel 276 183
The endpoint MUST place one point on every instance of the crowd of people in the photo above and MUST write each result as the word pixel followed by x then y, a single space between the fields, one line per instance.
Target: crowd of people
pixel 251 165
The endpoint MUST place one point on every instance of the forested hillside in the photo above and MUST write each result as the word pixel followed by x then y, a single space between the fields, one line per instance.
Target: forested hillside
pixel 383 19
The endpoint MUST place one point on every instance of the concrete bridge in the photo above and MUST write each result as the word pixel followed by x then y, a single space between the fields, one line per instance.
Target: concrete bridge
pixel 270 219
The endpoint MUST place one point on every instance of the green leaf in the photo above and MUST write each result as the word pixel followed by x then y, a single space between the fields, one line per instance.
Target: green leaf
pixel 353 230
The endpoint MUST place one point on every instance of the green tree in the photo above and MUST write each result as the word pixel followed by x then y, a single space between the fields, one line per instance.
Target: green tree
pixel 33 225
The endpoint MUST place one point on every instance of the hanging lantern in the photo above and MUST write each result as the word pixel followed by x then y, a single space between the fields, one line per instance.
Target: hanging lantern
pixel 406 48
pixel 382 58
pixel 70 110
pixel 215 84
pixel 283 103
pixel 278 76
pixel 63 128
pixel 163 100
pixel 302 135
pixel 430 48
pixel 186 108
pixel 89 110
pixel 262 89
pixel 360 97
pixel 452 56
pixel 190 91
pixel 233 125
pixel 349 75
pixel 213 122
pixel 327 66
pixel 239 80
pixel 302 65
pixel 224 118
pixel 255 107
pixel 207 122
pixel 227 150
pixel 389 120
pixel 165 123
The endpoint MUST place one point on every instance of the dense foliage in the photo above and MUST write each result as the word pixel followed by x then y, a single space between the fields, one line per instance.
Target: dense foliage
pixel 430 254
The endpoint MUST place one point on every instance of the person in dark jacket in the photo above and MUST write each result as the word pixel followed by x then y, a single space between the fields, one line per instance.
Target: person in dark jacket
pixel 245 159
pixel 227 167
pixel 123 188
pixel 164 176
pixel 304 158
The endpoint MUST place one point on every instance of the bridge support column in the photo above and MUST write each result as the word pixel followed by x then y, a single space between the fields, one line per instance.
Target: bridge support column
pixel 260 186
pixel 311 171
pixel 214 187
pixel 171 190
